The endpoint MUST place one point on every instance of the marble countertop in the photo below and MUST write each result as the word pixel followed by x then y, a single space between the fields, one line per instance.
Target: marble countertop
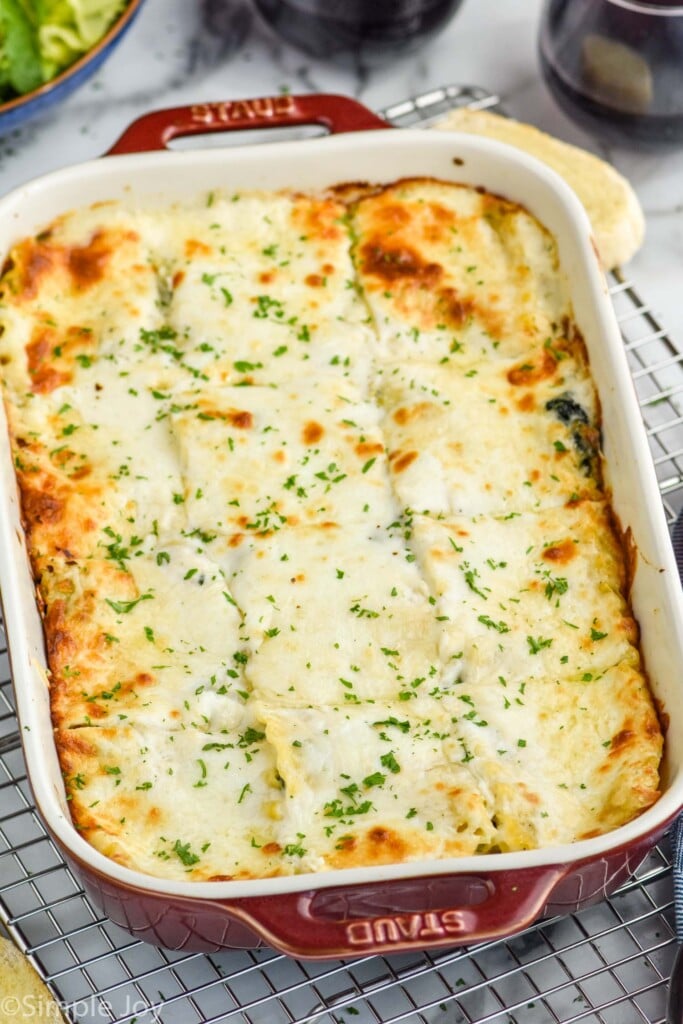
pixel 171 56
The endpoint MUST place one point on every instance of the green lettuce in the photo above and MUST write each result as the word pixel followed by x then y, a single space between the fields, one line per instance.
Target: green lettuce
pixel 21 67
pixel 69 28
pixel 41 38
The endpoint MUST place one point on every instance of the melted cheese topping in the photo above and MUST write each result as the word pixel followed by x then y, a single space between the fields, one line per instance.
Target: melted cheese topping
pixel 442 423
pixel 537 596
pixel 401 795
pixel 312 493
pixel 455 274
pixel 160 800
pixel 321 449
pixel 351 588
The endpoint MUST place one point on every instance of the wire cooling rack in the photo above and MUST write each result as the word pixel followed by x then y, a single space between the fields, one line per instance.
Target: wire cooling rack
pixel 608 964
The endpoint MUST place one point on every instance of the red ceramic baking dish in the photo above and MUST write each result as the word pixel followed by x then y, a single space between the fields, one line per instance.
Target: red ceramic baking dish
pixel 398 907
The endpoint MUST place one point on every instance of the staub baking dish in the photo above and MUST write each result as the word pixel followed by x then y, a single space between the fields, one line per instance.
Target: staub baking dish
pixel 422 904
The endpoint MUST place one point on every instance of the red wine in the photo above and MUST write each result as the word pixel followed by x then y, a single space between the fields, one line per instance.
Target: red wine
pixel 369 31
pixel 652 131
pixel 616 67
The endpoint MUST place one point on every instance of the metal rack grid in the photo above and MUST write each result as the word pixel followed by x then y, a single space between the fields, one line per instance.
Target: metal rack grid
pixel 608 964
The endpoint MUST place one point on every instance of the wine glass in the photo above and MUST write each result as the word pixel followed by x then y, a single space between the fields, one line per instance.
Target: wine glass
pixel 616 67
pixel 369 32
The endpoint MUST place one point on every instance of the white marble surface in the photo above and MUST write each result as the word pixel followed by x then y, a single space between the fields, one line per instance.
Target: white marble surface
pixel 170 58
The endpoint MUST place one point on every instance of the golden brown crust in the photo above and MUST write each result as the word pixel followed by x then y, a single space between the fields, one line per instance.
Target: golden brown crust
pixel 79 267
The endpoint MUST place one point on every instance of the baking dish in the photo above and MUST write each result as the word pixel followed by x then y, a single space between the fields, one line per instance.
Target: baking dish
pixel 421 904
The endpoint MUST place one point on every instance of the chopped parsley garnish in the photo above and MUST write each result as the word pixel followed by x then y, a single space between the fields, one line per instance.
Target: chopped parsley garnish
pixel 389 762
pixel 471 576
pixel 363 613
pixel 123 607
pixel 250 736
pixel 268 309
pixel 537 644
pixel 555 585
pixel 396 723
pixel 376 779
pixel 337 809
pixel 501 627
pixel 243 366
pixel 294 849
pixel 184 853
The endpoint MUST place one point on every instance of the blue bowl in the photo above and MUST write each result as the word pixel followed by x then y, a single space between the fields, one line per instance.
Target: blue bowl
pixel 18 111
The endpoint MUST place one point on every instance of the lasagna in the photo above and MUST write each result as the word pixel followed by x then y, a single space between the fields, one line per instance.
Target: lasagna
pixel 312 492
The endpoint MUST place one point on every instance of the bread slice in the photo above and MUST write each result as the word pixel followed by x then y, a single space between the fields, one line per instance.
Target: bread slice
pixel 609 200
pixel 23 996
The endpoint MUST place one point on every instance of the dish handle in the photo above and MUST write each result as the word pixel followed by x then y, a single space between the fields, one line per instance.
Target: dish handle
pixel 302 924
pixel 336 113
